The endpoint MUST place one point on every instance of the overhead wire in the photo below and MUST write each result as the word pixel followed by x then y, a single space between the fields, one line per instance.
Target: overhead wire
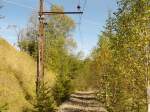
pixel 79 24
pixel 83 9
pixel 20 5
pixel 50 4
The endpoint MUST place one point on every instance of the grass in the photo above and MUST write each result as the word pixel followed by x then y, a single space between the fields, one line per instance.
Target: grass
pixel 17 78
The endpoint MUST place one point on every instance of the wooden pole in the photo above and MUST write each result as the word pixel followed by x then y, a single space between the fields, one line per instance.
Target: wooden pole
pixel 41 39
pixel 41 43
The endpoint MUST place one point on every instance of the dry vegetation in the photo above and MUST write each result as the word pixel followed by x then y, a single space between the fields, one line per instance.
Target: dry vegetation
pixel 17 78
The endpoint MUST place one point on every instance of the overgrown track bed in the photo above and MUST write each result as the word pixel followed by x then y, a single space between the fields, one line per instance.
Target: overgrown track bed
pixel 82 101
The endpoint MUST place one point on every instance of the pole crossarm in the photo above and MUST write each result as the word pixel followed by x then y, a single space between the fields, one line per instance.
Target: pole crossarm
pixel 55 13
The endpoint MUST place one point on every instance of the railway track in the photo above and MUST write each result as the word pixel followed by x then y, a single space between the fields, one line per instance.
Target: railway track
pixel 82 101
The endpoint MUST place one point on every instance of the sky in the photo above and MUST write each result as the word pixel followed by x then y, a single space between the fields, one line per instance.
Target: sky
pixel 17 12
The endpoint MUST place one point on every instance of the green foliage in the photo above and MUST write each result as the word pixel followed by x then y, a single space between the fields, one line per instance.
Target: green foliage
pixel 57 46
pixel 84 78
pixel 63 86
pixel 62 89
pixel 44 100
pixel 29 46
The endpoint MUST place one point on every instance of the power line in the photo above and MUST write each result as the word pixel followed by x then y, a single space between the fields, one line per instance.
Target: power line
pixel 83 9
pixel 18 4
pixel 79 24
pixel 49 2
pixel 85 3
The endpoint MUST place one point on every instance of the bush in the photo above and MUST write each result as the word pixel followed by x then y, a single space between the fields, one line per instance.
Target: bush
pixel 62 89
pixel 44 100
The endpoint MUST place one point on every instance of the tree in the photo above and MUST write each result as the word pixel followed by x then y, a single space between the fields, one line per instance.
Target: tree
pixel 44 101
pixel 127 69
pixel 130 45
pixel 28 37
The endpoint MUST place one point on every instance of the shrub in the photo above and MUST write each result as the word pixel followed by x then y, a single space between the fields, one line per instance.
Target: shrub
pixel 62 89
pixel 44 100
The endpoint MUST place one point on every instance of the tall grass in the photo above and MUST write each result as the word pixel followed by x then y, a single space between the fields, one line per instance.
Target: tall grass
pixel 17 78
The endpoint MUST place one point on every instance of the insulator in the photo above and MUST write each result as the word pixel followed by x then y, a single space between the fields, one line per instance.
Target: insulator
pixel 78 7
